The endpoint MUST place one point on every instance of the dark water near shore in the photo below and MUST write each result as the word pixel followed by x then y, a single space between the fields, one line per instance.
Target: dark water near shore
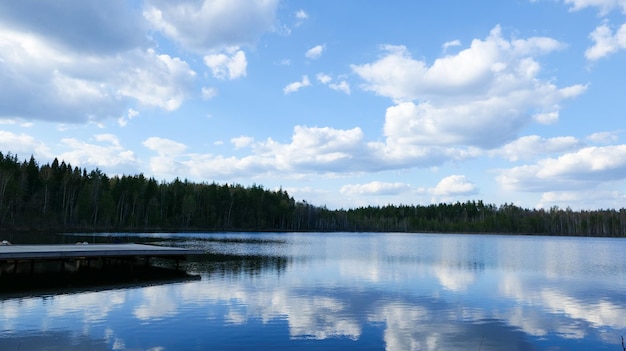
pixel 346 291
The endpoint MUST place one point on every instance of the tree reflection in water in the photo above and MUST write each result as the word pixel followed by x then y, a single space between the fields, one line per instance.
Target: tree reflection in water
pixel 231 264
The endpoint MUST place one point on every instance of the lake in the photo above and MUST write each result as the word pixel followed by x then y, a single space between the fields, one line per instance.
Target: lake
pixel 349 291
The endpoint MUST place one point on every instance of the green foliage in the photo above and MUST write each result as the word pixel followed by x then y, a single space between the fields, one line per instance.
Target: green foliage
pixel 58 197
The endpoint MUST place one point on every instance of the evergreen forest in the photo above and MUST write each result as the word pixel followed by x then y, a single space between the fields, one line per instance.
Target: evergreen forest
pixel 59 197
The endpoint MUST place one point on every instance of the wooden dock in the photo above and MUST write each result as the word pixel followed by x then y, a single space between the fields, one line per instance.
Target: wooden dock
pixel 25 268
pixel 29 259
pixel 81 251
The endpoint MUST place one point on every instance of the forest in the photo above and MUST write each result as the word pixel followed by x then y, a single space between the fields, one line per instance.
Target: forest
pixel 58 197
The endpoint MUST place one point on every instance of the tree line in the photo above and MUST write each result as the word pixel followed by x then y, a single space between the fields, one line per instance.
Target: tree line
pixel 58 197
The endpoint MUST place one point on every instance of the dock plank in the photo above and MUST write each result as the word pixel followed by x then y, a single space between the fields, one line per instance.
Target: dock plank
pixel 36 252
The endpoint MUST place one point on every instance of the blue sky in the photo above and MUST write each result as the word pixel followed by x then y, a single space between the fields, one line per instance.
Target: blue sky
pixel 341 103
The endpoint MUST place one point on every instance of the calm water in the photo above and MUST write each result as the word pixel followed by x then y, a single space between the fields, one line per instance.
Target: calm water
pixel 348 291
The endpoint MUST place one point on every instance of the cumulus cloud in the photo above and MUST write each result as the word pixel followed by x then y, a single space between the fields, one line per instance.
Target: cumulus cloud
pixel 493 66
pixel 315 52
pixel 44 80
pixel 104 151
pixel 326 79
pixel 454 123
pixel 156 80
pixel 450 44
pixel 376 188
pixel 209 92
pixel 242 141
pixel 533 146
pixel 586 167
pixel 207 25
pixel 23 145
pixel 103 64
pixel 301 14
pixel 311 150
pixel 604 137
pixel 295 86
pixel 166 163
pixel 606 41
pixel 579 199
pixel 582 199
pixel 342 86
pixel 231 64
pixel 480 97
pixel 123 120
pixel 455 185
pixel 447 189
pixel 164 146
pixel 476 124
pixel 312 147
pixel 605 6
pixel 96 28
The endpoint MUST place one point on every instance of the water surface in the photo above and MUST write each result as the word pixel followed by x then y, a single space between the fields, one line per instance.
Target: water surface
pixel 362 291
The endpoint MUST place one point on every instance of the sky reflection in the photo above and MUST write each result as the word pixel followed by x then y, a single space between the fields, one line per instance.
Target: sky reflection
pixel 405 292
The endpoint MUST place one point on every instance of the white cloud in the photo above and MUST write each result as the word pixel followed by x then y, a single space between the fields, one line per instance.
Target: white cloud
pixel 481 97
pixel 295 86
pixel 105 152
pixel 448 189
pixel 604 137
pixel 606 42
pixel 156 80
pixel 313 147
pixel 209 93
pixel 455 185
pixel 586 167
pixel 164 146
pixel 231 64
pixel 23 145
pixel 166 163
pixel 206 25
pixel 582 199
pixel 131 113
pixel 533 146
pixel 312 150
pixel 341 86
pixel 44 80
pixel 605 6
pixel 547 118
pixel 242 141
pixel 300 14
pixel 324 78
pixel 484 124
pixel 315 52
pixel 451 43
pixel 109 28
pixel 97 70
pixel 375 188
pixel 493 66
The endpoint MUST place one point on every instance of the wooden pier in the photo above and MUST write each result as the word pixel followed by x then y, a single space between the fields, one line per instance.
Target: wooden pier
pixel 29 260
pixel 83 251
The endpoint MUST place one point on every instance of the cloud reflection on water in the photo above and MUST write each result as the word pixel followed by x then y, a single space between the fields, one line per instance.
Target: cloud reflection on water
pixel 490 293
